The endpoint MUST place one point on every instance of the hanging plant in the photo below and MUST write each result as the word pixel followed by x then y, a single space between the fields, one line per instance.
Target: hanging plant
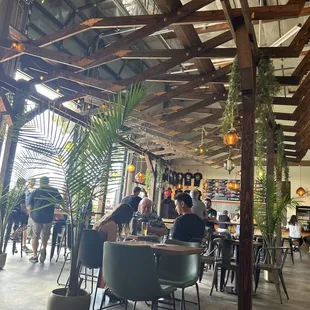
pixel 281 159
pixel 266 88
pixel 147 180
pixel 160 168
pixel 233 98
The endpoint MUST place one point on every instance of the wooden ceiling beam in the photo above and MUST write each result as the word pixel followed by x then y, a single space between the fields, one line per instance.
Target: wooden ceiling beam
pixel 302 37
pixel 285 101
pixel 303 67
pixel 201 80
pixel 225 52
pixel 290 138
pixel 192 108
pixel 285 116
pixel 44 53
pixel 257 13
pixel 176 78
pixel 207 120
pixel 99 57
pixel 188 54
pixel 189 38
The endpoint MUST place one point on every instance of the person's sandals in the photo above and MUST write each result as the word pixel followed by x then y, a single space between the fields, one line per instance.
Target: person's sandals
pixel 26 249
pixel 42 255
pixel 33 260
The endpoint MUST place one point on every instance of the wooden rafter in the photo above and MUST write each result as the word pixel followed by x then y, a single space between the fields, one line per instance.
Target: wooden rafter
pixel 201 80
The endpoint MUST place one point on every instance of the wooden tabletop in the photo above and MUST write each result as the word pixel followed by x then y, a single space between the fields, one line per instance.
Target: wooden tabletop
pixel 166 249
pixel 142 238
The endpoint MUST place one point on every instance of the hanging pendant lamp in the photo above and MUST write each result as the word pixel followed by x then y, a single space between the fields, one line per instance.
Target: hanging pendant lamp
pixel 201 149
pixel 300 191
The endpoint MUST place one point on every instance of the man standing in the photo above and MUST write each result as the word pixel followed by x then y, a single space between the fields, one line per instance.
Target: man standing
pixel 211 213
pixel 133 200
pixel 27 234
pixel 199 207
pixel 42 205
pixel 189 226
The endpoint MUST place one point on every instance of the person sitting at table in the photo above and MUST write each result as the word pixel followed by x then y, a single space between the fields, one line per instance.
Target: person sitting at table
pixel 223 219
pixel 211 213
pixel 188 226
pixel 236 220
pixel 109 226
pixel 294 228
pixel 112 223
pixel 146 214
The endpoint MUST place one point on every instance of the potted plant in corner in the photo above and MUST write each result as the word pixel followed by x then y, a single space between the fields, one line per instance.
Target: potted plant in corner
pixel 9 199
pixel 268 219
pixel 81 160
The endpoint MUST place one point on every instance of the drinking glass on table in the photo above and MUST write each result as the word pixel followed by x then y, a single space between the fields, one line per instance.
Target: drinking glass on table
pixel 144 226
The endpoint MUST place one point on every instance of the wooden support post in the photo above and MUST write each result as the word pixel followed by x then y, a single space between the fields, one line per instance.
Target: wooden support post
pixel 248 86
pixel 269 174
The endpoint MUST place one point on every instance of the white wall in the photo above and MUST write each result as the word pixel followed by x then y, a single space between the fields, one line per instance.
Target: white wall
pixel 211 173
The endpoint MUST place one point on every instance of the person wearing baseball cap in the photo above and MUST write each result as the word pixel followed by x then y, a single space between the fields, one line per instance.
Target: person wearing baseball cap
pixel 42 205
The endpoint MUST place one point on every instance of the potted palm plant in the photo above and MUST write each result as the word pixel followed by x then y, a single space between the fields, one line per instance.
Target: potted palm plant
pixel 9 199
pixel 80 160
pixel 268 219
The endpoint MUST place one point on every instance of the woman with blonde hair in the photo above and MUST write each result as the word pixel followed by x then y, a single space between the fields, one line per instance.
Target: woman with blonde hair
pixel 112 223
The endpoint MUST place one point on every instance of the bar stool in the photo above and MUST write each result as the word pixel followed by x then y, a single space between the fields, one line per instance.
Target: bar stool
pixel 291 244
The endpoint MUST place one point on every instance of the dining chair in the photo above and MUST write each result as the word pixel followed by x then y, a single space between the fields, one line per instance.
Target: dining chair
pixel 130 272
pixel 264 261
pixel 224 262
pixel 180 271
pixel 208 258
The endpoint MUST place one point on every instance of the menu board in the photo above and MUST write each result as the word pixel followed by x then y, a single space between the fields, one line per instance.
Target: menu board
pixel 217 190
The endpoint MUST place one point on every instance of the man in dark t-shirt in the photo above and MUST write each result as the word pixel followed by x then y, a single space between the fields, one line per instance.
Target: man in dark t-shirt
pixel 133 200
pixel 41 206
pixel 211 213
pixel 188 226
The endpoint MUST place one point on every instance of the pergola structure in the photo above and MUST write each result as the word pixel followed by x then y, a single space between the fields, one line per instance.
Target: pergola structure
pixel 182 50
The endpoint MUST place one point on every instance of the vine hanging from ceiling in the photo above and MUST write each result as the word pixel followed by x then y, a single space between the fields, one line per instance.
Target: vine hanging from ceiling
pixel 266 88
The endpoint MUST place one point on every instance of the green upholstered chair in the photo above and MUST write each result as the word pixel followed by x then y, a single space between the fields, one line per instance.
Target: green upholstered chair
pixel 130 272
pixel 180 271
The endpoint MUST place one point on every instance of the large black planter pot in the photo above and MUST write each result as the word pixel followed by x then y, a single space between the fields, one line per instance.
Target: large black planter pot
pixel 59 301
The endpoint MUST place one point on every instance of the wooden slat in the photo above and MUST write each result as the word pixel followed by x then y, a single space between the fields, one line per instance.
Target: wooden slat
pixel 201 80
pixel 176 78
pixel 302 36
pixel 192 108
pixel 207 120
pixel 190 53
pixel 257 13
pixel 303 67
pixel 285 101
pixel 100 56
pixel 44 53
pixel 225 52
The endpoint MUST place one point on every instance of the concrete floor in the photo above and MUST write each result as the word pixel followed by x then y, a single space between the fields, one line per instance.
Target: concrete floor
pixel 26 286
